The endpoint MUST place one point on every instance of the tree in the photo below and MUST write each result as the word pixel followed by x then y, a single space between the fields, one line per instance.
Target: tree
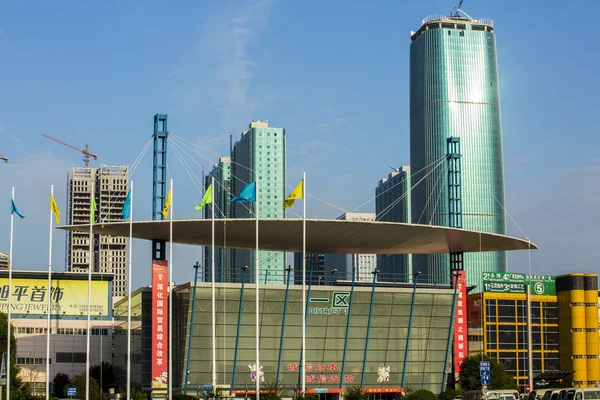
pixel 355 393
pixel 106 376
pixel 499 379
pixel 59 383
pixel 449 394
pixel 421 395
pixel 272 391
pixel 78 383
pixel 15 381
pixel 135 394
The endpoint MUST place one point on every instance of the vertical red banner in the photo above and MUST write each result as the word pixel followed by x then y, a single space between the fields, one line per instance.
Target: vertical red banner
pixel 160 315
pixel 461 350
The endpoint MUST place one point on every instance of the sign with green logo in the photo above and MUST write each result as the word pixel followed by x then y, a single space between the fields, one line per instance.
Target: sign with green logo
pixel 509 282
pixel 341 299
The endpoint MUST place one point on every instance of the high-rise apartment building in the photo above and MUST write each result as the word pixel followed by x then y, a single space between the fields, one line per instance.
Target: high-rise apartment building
pixel 110 183
pixel 315 268
pixel 260 151
pixel 454 93
pixel 364 264
pixel 392 204
pixel 221 173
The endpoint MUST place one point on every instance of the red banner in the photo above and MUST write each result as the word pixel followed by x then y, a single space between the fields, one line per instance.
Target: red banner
pixel 460 323
pixel 160 315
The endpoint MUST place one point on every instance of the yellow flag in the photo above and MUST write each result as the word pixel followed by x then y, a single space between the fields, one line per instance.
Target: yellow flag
pixel 297 194
pixel 55 209
pixel 165 210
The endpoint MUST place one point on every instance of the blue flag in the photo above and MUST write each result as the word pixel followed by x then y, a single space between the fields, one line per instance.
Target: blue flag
pixel 247 194
pixel 13 209
pixel 127 206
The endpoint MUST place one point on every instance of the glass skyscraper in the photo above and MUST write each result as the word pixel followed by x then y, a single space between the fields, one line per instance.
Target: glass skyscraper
pixel 221 172
pixel 260 150
pixel 454 93
pixel 392 204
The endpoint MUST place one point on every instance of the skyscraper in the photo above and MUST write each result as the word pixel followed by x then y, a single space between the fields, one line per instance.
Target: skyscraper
pixel 454 93
pixel 221 172
pixel 110 184
pixel 364 263
pixel 315 262
pixel 392 204
pixel 260 150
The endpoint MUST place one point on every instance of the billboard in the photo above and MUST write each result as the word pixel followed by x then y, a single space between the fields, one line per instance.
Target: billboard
pixel 460 323
pixel 509 282
pixel 160 309
pixel 69 297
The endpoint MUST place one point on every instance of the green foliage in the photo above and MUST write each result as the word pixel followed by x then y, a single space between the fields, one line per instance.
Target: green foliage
pixel 181 396
pixel 15 381
pixel 272 391
pixel 304 396
pixel 421 395
pixel 355 393
pixel 78 382
pixel 408 390
pixel 449 394
pixel 499 378
pixel 107 377
pixel 136 394
pixel 59 384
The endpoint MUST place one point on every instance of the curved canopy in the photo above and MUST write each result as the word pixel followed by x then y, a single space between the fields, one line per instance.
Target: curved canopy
pixel 325 236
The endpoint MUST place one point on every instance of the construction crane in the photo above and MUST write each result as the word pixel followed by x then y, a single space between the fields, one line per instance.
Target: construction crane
pixel 5 159
pixel 457 9
pixel 86 152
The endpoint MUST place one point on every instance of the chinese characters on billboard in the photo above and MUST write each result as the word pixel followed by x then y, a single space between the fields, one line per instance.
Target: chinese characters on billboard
pixel 160 376
pixel 460 322
pixel 68 297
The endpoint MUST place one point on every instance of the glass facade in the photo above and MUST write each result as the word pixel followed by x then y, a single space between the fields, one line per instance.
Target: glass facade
pixel 326 332
pixel 141 340
pixel 454 93
pixel 503 318
pixel 260 150
pixel 392 204
pixel 221 173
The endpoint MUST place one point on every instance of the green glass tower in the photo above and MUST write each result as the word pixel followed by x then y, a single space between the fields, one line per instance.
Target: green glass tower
pixel 221 173
pixel 260 150
pixel 454 93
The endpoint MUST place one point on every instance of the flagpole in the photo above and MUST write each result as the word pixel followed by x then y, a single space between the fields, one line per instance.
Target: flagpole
pixel 129 292
pixel 171 297
pixel 49 294
pixel 89 299
pixel 303 373
pixel 257 280
pixel 10 267
pixel 212 262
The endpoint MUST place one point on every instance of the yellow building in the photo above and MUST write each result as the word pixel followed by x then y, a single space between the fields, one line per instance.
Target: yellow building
pixel 564 323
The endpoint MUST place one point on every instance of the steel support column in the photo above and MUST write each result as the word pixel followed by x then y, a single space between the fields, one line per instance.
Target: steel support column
pixel 159 179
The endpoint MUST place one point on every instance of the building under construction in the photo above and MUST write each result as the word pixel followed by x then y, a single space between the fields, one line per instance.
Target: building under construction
pixel 110 183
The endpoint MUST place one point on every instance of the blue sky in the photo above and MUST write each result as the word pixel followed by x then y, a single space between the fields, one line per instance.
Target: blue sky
pixel 334 74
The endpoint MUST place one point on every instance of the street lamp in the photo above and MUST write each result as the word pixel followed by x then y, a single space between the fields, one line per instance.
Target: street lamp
pixel 333 271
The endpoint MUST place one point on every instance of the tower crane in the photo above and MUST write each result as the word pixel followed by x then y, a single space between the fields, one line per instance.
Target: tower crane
pixel 86 152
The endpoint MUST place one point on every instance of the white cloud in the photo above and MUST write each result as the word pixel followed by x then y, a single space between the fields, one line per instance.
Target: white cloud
pixel 218 72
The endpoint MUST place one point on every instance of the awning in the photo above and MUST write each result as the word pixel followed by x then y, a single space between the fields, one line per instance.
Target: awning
pixel 552 376
pixel 326 236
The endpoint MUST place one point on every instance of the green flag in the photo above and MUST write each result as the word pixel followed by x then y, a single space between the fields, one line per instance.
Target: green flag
pixel 93 210
pixel 206 199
